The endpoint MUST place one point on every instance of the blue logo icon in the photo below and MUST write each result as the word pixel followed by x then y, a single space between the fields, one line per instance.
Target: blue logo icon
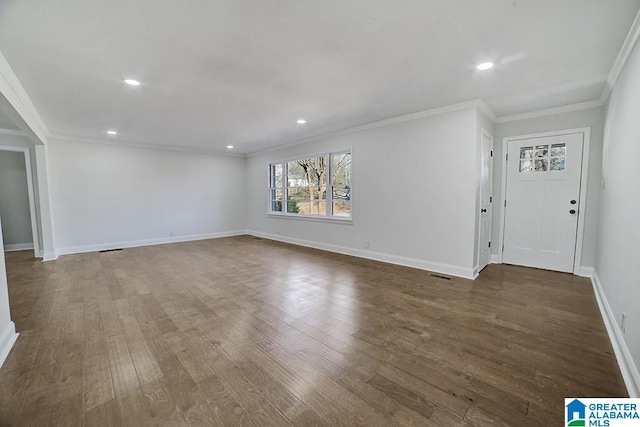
pixel 576 413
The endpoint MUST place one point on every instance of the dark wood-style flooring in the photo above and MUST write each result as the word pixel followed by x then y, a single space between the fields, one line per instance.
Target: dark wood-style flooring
pixel 244 331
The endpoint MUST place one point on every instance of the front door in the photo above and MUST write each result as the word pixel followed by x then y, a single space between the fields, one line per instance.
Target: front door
pixel 542 199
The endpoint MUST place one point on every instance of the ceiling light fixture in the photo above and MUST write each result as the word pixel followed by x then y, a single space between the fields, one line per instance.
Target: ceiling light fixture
pixel 112 132
pixel 484 66
pixel 132 82
pixel 229 147
pixel 301 121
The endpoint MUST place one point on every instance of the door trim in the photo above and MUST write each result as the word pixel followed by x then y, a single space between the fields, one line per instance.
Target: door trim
pixel 586 131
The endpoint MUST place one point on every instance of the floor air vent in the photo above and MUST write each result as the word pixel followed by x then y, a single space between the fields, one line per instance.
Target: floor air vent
pixel 110 250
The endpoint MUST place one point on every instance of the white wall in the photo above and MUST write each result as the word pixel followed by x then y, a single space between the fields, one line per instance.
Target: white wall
pixel 14 201
pixel 593 118
pixel 618 256
pixel 106 196
pixel 413 194
pixel 7 328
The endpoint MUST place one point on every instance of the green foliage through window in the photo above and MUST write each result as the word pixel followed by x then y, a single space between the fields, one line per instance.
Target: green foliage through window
pixel 313 186
pixel 292 206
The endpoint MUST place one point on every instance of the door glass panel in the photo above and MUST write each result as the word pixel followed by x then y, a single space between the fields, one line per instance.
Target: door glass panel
pixel 542 151
pixel 526 165
pixel 558 150
pixel 543 158
pixel 526 153
pixel 541 165
pixel 557 163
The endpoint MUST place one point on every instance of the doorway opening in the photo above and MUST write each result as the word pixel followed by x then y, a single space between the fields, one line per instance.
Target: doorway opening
pixel 18 201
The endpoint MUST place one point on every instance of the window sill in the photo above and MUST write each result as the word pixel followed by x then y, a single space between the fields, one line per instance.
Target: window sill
pixel 333 219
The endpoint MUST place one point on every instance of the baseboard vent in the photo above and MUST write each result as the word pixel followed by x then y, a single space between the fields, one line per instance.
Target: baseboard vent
pixel 110 250
pixel 440 276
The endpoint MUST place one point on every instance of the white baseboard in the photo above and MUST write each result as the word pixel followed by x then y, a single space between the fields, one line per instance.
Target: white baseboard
pixel 436 267
pixel 18 247
pixel 627 365
pixel 49 256
pixel 7 338
pixel 136 243
pixel 583 271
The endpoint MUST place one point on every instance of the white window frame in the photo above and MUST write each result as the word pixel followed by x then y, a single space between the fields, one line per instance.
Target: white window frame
pixel 328 216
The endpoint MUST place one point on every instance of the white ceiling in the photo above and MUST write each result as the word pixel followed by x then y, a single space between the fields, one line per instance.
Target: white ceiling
pixel 242 71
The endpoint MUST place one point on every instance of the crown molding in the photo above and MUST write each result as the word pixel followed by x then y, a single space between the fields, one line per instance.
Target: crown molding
pixel 11 132
pixel 627 47
pixel 482 106
pixel 550 111
pixel 130 144
pixel 22 111
pixel 476 103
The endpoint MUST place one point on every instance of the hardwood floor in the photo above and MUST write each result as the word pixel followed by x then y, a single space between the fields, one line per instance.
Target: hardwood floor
pixel 244 331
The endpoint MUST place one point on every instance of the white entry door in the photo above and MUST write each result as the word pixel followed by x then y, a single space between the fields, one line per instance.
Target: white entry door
pixel 486 180
pixel 542 199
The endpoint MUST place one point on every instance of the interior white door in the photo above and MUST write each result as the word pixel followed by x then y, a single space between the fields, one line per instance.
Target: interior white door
pixel 486 178
pixel 542 199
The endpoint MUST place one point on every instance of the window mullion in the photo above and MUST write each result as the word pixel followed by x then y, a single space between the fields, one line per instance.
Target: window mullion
pixel 285 188
pixel 329 187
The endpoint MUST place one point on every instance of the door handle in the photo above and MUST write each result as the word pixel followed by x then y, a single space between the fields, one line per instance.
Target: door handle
pixel 572 211
pixel 483 210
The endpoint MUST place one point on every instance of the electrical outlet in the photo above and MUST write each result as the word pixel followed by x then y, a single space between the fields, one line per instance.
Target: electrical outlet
pixel 366 244
pixel 623 323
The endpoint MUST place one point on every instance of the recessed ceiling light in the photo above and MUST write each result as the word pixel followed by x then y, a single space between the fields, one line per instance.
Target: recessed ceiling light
pixel 484 66
pixel 229 147
pixel 132 82
pixel 301 121
pixel 112 132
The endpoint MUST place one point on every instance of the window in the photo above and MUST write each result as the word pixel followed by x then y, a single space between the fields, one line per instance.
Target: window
pixel 315 186
pixel 541 159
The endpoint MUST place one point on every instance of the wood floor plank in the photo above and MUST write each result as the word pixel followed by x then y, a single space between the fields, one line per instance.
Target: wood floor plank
pixel 244 331
pixel 225 406
pixel 146 366
pixel 98 386
pixel 123 372
pixel 202 413
pixel 103 415
pixel 402 395
pixel 278 395
pixel 133 410
pixel 68 412
pixel 258 407
pixel 35 409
